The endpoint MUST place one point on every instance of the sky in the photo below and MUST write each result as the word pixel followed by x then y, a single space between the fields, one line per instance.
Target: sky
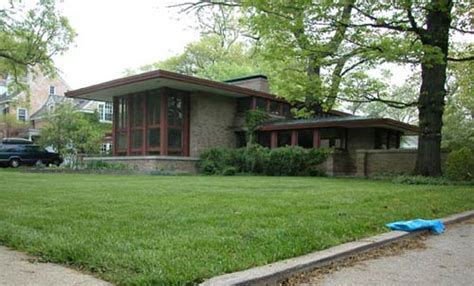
pixel 116 35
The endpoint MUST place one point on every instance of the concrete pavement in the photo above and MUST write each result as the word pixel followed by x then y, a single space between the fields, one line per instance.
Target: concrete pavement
pixel 17 270
pixel 446 259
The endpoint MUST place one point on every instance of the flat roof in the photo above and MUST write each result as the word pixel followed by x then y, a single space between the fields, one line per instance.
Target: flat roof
pixel 246 78
pixel 345 122
pixel 161 78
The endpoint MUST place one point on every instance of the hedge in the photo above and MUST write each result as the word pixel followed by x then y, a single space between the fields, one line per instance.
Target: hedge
pixel 258 160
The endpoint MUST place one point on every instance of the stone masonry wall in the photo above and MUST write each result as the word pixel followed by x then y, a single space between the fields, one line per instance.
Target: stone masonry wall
pixel 394 161
pixel 147 164
pixel 211 122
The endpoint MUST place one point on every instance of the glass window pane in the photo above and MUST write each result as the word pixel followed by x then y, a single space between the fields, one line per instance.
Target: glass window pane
pixel 154 137
pixel 154 109
pixel 284 138
pixel 137 111
pixel 122 140
pixel 261 104
pixel 264 139
pixel 137 139
pixel 305 138
pixel 274 107
pixel 175 110
pixel 175 138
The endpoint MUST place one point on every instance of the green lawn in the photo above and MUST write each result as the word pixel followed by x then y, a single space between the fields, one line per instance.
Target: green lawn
pixel 145 230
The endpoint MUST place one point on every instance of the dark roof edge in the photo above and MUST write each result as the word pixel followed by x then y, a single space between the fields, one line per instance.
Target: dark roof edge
pixel 343 123
pixel 246 78
pixel 171 76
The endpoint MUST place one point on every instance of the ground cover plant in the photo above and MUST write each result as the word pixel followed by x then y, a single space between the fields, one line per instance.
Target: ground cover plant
pixel 149 230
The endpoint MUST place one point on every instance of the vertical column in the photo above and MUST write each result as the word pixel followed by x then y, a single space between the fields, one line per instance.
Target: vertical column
pixel 274 140
pixel 145 124
pixel 267 105
pixel 254 103
pixel 187 106
pixel 294 138
pixel 129 108
pixel 316 139
pixel 115 118
pixel 164 123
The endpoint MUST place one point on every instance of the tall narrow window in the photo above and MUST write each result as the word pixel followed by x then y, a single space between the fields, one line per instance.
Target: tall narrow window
pixel 153 112
pixel 52 90
pixel 175 123
pixel 136 123
pixel 22 114
pixel 121 117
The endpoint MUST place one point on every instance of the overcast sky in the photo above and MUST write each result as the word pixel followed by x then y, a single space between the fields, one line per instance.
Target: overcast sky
pixel 116 35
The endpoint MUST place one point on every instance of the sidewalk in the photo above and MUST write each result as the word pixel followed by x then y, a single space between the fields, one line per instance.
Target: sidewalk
pixel 446 259
pixel 17 270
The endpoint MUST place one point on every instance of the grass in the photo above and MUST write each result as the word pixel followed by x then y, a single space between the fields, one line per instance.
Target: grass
pixel 145 230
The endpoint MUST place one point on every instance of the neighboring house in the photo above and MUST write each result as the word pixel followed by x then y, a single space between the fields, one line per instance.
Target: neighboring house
pixel 177 117
pixel 31 111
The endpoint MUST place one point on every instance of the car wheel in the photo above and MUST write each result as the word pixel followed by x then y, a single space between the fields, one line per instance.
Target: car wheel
pixel 56 162
pixel 14 163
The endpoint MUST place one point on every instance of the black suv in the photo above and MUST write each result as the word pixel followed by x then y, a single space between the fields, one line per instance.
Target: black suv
pixel 15 155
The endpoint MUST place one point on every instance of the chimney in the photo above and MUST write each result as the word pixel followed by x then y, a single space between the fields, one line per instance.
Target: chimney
pixel 255 82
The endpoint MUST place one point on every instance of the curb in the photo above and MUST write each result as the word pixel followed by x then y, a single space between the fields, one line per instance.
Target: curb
pixel 271 274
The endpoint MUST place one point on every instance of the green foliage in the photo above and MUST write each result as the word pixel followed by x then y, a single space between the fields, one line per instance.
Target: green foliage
pixel 285 161
pixel 71 132
pixel 460 165
pixel 420 180
pixel 210 58
pixel 30 37
pixel 102 165
pixel 253 118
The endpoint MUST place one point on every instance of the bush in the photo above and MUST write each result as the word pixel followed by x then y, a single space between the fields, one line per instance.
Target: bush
pixel 420 180
pixel 255 159
pixel 101 165
pixel 460 165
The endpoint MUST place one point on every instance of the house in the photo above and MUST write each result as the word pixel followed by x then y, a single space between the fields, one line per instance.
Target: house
pixel 165 120
pixel 30 111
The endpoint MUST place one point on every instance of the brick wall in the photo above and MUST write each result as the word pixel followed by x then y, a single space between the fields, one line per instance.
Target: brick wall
pixel 211 122
pixel 147 164
pixel 393 161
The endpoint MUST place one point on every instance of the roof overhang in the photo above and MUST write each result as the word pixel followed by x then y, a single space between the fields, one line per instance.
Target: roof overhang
pixel 387 123
pixel 155 79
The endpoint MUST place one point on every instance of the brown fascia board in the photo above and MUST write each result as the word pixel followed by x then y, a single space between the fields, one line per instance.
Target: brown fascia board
pixel 377 122
pixel 171 76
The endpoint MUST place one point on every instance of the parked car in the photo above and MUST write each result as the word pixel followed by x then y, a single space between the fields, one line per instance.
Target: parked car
pixel 14 155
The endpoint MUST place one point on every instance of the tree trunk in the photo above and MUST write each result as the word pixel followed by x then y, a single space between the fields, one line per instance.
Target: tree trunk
pixel 433 92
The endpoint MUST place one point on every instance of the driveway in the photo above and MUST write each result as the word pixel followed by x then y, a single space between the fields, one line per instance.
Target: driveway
pixel 18 269
pixel 446 259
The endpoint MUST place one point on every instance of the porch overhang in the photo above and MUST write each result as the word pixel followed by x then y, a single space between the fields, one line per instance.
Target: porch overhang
pixel 353 122
pixel 155 79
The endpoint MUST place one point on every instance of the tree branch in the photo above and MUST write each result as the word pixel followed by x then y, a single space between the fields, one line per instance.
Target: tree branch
pixel 471 58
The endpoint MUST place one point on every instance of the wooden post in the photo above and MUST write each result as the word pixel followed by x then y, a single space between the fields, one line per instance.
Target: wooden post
pixel 316 139
pixel 294 138
pixel 115 118
pixel 128 107
pixel 254 103
pixel 145 124
pixel 186 107
pixel 164 123
pixel 274 140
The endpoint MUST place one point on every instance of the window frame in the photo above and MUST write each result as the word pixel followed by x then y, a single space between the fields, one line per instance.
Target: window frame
pixel 18 114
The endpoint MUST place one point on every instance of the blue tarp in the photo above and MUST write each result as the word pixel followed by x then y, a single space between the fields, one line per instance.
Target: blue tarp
pixel 435 226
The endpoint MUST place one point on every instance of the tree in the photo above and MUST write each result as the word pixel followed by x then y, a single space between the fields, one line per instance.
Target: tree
pixel 348 37
pixel 30 37
pixel 70 132
pixel 208 58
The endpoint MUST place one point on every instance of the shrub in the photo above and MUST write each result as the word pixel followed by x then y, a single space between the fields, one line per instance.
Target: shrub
pixel 255 159
pixel 420 180
pixel 229 171
pixel 460 165
pixel 101 165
